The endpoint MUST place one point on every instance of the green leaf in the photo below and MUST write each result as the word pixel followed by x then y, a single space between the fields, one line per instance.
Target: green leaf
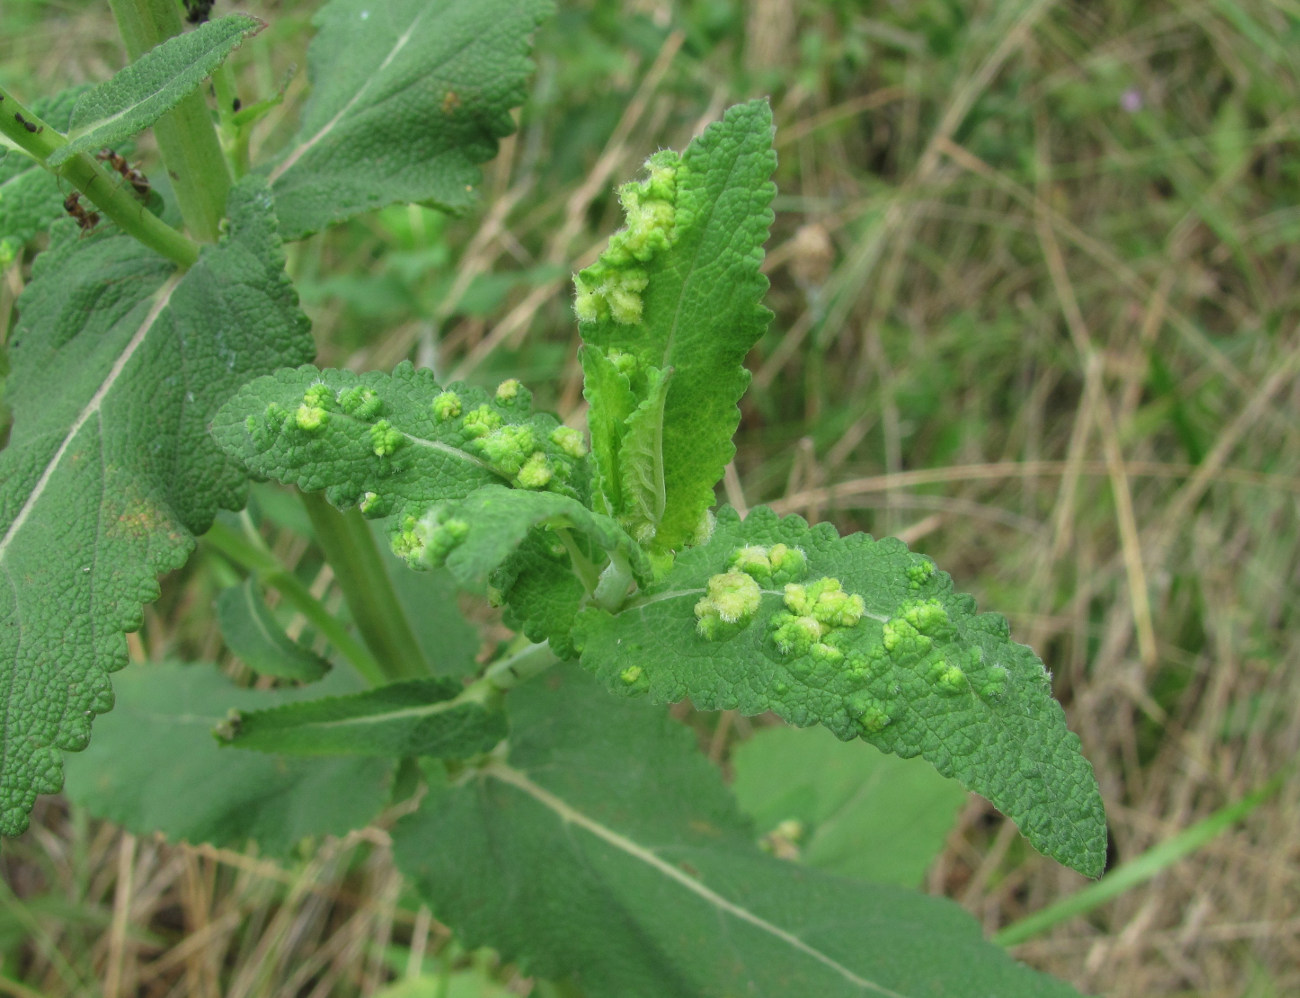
pixel 153 766
pixel 859 814
pixel 870 640
pixel 419 717
pixel 397 444
pixel 497 519
pixel 118 365
pixel 251 631
pixel 605 847
pixel 144 91
pixel 678 291
pixel 408 98
pixel 540 592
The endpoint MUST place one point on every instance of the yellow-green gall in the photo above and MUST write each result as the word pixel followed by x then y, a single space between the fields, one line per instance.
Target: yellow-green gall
pixel 951 678
pixel 794 634
pixel 703 529
pixel 826 600
pixel 662 170
pixel 384 439
pixel 610 292
pixel 898 633
pixel 919 572
pixel 508 390
pixel 446 406
pixel 361 402
pixel 482 421
pixel 927 616
pixel 318 396
pixel 732 598
pixel 771 566
pixel 508 447
pixel 631 674
pixel 994 683
pixel 570 441
pixel 310 418
pixel 586 303
pixel 536 472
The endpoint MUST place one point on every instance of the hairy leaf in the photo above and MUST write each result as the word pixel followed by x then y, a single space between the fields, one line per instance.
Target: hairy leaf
pixel 859 814
pixel 408 98
pixel 148 88
pixel 678 292
pixel 251 631
pixel 497 519
pixel 419 717
pixel 604 847
pixel 870 640
pixel 396 445
pixel 118 364
pixel 153 766
pixel 541 593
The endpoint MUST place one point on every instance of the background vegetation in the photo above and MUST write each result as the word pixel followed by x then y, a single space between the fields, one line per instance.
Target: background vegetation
pixel 1036 274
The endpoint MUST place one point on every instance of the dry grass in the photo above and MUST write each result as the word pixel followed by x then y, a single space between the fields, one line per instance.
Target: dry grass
pixel 1047 335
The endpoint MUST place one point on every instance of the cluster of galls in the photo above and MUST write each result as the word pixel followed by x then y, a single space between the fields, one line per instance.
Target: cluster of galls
pixel 814 634
pixel 611 287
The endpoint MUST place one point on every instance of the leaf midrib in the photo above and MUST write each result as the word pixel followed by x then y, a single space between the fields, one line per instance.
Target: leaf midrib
pixel 571 815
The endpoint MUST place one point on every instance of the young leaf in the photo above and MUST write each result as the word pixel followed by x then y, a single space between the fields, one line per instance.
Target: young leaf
pixel 408 97
pixel 608 815
pixel 397 444
pixel 859 814
pixel 677 292
pixel 148 88
pixel 868 639
pixel 419 717
pixel 153 766
pixel 497 519
pixel 252 632
pixel 118 364
pixel 540 592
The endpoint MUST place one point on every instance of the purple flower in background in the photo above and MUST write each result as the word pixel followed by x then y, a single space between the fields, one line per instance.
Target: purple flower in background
pixel 1131 100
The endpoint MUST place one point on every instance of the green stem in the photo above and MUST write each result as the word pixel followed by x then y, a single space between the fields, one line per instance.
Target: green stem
pixel 186 136
pixel 248 551
pixel 101 187
pixel 611 591
pixel 1134 872
pixel 512 670
pixel 349 547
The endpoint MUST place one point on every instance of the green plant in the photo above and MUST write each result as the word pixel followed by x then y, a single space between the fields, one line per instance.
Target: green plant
pixel 156 367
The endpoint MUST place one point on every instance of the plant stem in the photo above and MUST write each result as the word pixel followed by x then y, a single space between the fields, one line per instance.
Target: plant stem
pixel 350 549
pixel 248 551
pixel 102 188
pixel 186 136
pixel 512 670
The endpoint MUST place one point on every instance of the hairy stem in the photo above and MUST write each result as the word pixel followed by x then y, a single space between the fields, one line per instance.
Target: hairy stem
pixel 350 548
pixel 102 188
pixel 186 136
pixel 509 672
